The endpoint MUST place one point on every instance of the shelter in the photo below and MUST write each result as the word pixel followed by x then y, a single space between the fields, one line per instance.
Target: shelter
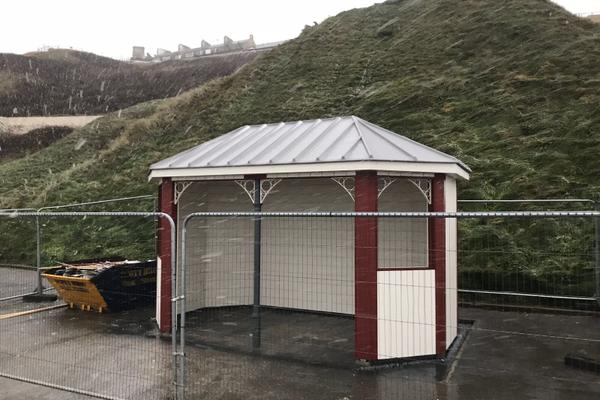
pixel 335 164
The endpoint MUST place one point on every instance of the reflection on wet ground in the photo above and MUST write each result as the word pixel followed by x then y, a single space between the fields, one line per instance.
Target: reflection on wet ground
pixel 506 355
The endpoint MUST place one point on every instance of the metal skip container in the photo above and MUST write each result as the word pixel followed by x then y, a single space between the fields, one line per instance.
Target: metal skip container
pixel 104 285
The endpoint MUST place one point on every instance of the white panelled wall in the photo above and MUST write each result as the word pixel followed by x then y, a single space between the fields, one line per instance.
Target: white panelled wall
pixel 219 251
pixel 450 201
pixel 405 298
pixel 405 313
pixel 308 263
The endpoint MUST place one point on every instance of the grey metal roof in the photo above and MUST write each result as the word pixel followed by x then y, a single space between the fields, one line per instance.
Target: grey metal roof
pixel 306 142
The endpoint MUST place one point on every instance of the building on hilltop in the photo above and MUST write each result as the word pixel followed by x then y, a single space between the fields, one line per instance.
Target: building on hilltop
pixel 184 52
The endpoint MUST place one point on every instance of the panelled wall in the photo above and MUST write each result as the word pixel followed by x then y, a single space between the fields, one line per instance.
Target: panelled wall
pixel 219 251
pixel 405 284
pixel 405 313
pixel 402 242
pixel 308 263
pixel 451 262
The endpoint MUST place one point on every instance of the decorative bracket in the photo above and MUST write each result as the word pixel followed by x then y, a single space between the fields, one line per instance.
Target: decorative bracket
pixel 347 183
pixel 424 185
pixel 384 183
pixel 249 187
pixel 180 187
pixel 266 186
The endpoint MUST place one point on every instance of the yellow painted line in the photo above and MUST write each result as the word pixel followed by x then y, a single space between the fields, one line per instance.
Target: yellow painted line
pixel 28 312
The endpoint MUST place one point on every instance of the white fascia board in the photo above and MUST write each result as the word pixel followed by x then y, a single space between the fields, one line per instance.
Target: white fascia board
pixel 290 169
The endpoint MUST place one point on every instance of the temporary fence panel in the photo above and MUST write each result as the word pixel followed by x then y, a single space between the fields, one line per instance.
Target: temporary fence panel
pixel 279 340
pixel 286 327
pixel 17 264
pixel 114 355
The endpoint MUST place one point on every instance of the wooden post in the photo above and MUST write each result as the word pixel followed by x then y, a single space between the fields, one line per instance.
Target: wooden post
pixel 365 264
pixel 437 261
pixel 167 205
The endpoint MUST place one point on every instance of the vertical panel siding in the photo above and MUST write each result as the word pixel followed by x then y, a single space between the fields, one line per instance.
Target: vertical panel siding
pixel 405 313
pixel 308 263
pixel 218 250
pixel 402 242
pixel 451 263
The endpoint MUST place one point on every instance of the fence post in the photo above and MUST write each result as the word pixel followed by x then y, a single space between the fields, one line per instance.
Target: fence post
pixel 38 256
pixel 257 248
pixel 38 295
pixel 597 254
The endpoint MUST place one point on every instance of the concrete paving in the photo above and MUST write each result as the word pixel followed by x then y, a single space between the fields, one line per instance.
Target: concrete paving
pixel 116 355
pixel 506 355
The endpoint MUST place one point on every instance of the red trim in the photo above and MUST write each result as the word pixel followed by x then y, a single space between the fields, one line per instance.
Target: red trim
pixel 365 267
pixel 166 201
pixel 437 260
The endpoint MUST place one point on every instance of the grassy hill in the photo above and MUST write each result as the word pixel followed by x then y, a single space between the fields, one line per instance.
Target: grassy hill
pixel 68 82
pixel 512 88
pixel 15 146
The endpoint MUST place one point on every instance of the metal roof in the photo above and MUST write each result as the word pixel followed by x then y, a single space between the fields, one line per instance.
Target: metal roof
pixel 331 140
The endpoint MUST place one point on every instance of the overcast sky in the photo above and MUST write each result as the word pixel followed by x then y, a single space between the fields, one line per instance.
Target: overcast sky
pixel 112 27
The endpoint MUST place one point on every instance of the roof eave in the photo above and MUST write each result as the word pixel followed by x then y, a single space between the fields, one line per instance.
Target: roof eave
pixel 454 169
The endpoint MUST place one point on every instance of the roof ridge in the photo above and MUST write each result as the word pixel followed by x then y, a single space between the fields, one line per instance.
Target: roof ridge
pixel 360 136
pixel 388 139
pixel 417 143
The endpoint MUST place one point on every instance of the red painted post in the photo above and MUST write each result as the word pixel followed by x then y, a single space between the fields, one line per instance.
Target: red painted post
pixel 166 200
pixel 365 265
pixel 437 261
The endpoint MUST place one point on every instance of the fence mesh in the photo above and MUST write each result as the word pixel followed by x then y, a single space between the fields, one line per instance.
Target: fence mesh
pixel 525 287
pixel 525 327
pixel 547 262
pixel 117 354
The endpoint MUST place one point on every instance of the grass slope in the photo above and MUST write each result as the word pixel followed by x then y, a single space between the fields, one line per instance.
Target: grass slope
pixel 65 82
pixel 511 88
pixel 14 146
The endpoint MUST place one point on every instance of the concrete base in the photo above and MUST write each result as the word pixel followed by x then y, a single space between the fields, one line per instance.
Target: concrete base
pixel 39 298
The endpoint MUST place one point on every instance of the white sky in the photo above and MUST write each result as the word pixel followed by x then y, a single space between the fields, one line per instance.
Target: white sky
pixel 112 27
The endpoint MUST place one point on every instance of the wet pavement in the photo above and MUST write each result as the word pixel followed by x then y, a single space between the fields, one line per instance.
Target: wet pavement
pixel 117 355
pixel 506 355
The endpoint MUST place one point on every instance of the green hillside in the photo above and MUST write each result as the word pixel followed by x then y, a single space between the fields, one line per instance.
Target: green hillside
pixel 510 87
pixel 69 82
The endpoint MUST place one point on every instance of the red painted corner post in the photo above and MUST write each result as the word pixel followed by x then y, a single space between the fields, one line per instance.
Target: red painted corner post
pixel 365 267
pixel 166 200
pixel 437 261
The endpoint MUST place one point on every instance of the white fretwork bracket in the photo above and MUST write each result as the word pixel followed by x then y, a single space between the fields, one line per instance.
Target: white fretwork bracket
pixel 347 183
pixel 266 186
pixel 424 185
pixel 180 187
pixel 384 183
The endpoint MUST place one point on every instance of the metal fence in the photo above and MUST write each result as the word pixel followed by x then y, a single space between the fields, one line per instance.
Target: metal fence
pixel 119 355
pixel 270 306
pixel 286 325
pixel 546 268
pixel 23 262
